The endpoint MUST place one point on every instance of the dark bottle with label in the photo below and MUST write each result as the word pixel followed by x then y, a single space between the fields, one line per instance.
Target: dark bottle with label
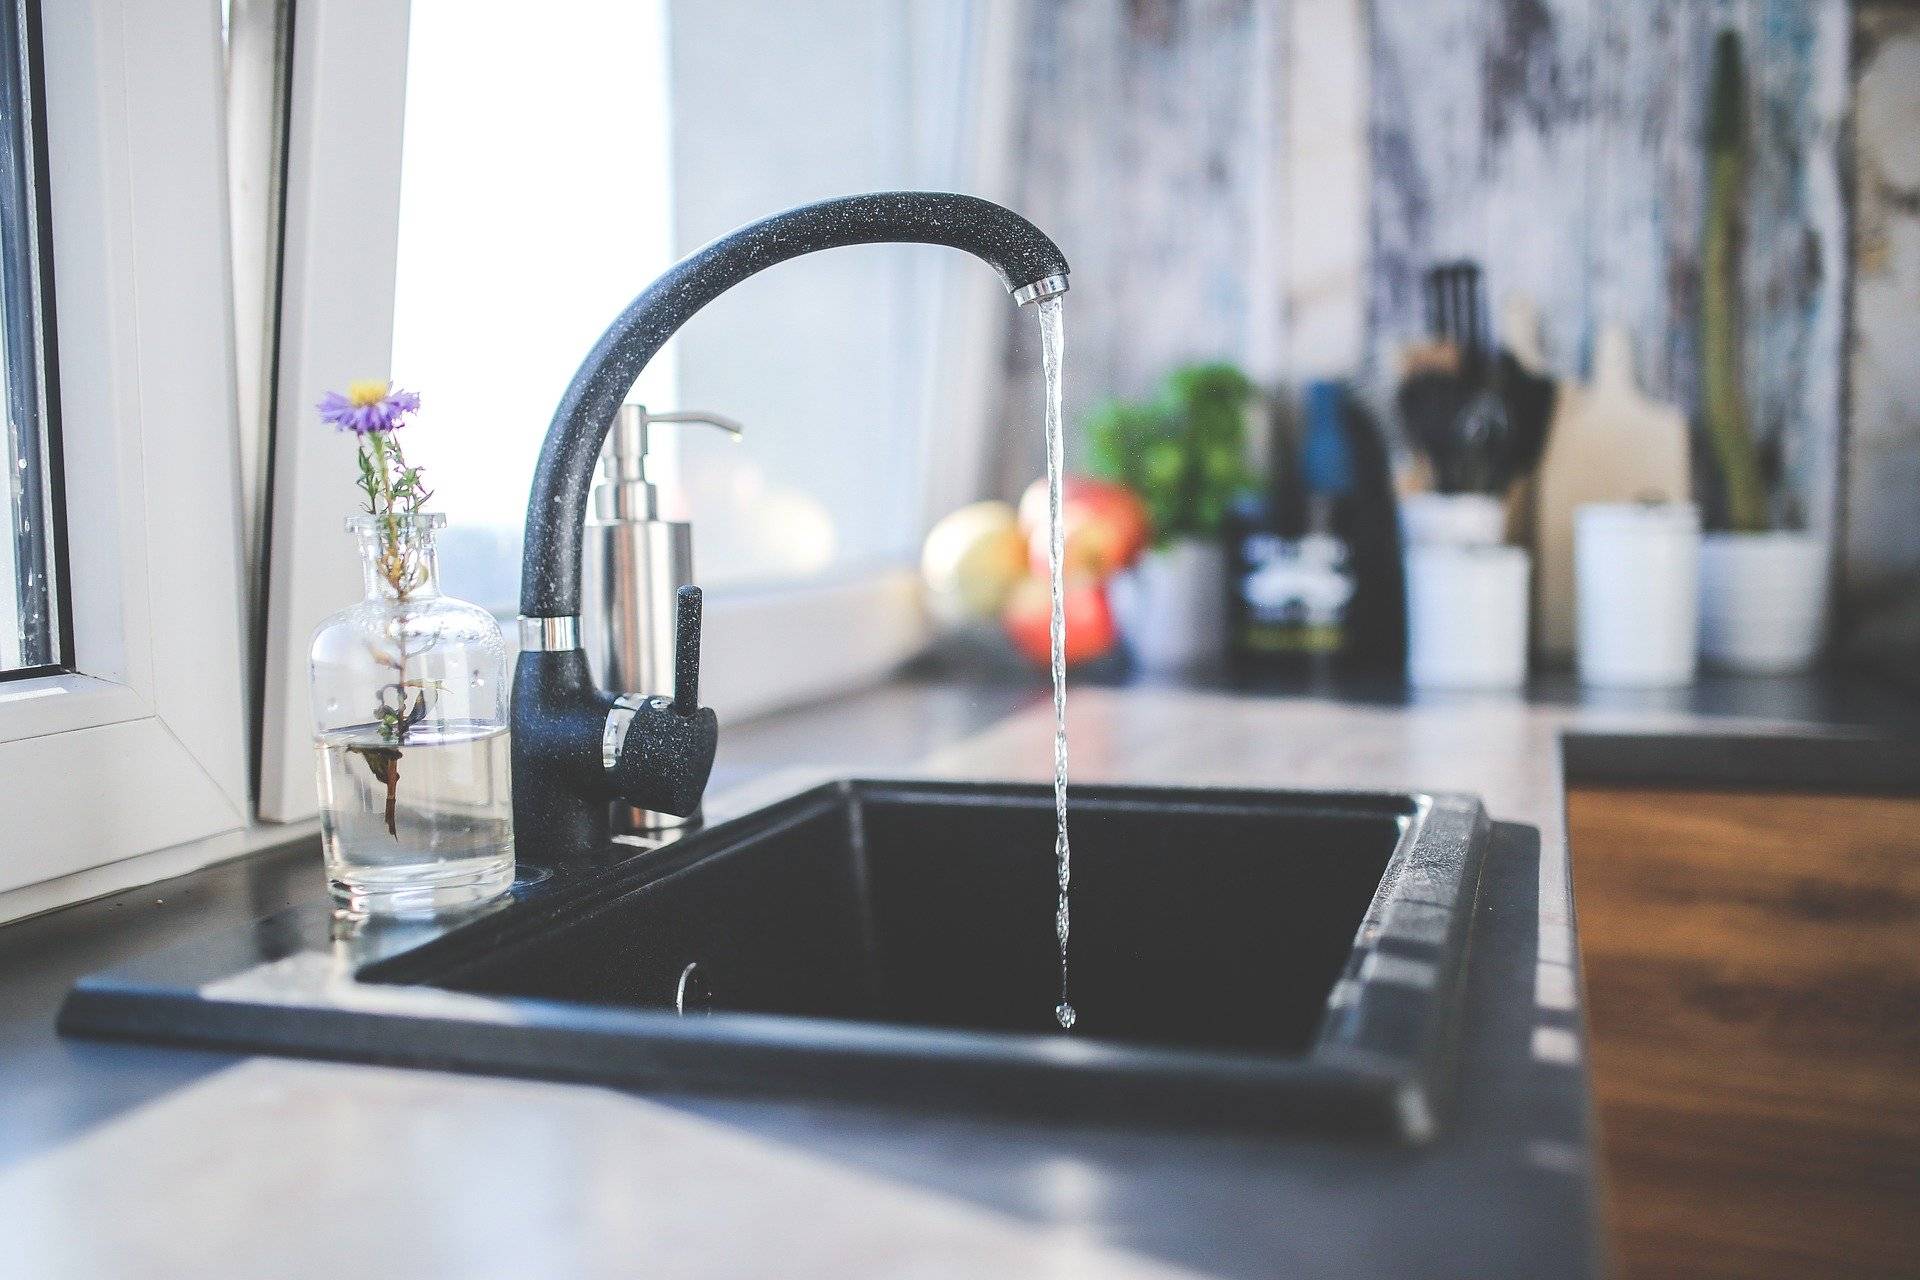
pixel 1313 562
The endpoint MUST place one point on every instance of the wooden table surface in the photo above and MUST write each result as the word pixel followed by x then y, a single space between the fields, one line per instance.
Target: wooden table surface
pixel 1752 964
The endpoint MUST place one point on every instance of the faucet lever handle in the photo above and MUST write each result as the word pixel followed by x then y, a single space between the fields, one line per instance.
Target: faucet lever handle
pixel 686 651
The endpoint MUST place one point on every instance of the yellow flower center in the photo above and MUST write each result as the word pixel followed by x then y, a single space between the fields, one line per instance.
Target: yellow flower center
pixel 366 392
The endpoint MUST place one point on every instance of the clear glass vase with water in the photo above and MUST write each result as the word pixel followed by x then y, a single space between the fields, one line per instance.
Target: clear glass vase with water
pixel 410 698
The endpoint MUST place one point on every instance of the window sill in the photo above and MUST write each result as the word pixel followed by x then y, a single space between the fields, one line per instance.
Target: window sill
pixel 149 868
pixel 62 703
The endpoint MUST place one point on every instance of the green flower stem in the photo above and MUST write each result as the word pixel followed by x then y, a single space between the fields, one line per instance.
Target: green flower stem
pixel 393 489
pixel 372 411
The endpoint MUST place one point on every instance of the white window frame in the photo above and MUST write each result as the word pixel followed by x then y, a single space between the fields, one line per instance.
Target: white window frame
pixel 141 747
pixel 346 109
pixel 765 649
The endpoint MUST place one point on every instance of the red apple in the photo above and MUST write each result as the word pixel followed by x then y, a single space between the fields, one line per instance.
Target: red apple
pixel 1105 526
pixel 1089 622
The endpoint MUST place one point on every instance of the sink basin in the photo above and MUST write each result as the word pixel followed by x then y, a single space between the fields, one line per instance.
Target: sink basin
pixel 1264 958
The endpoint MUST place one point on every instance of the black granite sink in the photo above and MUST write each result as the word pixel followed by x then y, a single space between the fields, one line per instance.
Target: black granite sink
pixel 1260 958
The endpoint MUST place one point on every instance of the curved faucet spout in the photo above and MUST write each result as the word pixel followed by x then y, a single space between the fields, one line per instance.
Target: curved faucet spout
pixel 1030 264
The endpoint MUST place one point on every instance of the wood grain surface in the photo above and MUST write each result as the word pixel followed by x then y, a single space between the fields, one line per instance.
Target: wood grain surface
pixel 1753 979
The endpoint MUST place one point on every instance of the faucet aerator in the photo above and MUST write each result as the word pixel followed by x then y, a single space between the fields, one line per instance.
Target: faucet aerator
pixel 1040 290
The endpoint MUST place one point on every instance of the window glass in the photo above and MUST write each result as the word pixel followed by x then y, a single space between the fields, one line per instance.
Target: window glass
pixel 553 168
pixel 30 602
pixel 534 204
pixel 825 359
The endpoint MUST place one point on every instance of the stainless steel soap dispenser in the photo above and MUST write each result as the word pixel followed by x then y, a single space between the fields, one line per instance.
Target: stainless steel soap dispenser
pixel 634 565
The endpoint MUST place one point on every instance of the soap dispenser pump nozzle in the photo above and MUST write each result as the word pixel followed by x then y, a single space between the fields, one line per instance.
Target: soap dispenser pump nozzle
pixel 629 490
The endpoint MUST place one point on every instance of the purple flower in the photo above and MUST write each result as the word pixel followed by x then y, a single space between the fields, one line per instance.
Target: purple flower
pixel 368 406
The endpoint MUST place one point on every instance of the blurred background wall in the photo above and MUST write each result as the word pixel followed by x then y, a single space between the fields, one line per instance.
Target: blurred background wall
pixel 1266 181
pixel 1881 555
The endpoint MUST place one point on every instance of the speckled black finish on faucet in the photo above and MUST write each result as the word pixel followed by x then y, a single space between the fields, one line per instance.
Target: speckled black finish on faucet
pixel 686 651
pixel 550 567
pixel 576 747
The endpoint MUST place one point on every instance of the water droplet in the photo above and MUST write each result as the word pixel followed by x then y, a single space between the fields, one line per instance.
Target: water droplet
pixel 1064 1012
pixel 333 704
pixel 479 681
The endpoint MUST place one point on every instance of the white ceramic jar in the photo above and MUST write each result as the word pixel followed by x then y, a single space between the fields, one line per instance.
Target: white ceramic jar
pixel 1636 600
pixel 1456 519
pixel 1466 616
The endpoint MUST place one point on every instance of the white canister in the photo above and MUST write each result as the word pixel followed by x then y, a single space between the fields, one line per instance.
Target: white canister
pixel 1454 519
pixel 1763 600
pixel 1636 599
pixel 1466 616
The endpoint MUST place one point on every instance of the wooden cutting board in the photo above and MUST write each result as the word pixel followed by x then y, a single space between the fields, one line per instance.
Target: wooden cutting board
pixel 1607 443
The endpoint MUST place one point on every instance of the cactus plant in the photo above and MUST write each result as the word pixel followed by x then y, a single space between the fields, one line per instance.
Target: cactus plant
pixel 1724 403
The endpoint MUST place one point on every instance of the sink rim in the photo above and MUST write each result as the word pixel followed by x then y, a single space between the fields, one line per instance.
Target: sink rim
pixel 1388 1048
pixel 1380 1063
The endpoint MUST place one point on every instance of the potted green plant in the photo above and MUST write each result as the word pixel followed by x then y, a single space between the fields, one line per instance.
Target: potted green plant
pixel 1184 454
pixel 1763 583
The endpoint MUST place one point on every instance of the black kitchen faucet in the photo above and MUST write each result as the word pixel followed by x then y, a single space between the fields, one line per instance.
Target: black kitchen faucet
pixel 577 748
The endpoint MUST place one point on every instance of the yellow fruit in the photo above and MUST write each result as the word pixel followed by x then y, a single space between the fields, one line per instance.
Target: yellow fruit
pixel 971 560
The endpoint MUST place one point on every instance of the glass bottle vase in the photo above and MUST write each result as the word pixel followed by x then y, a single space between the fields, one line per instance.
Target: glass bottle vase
pixel 410 695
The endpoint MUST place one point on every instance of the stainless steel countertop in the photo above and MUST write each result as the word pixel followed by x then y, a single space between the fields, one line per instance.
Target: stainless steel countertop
pixel 125 1160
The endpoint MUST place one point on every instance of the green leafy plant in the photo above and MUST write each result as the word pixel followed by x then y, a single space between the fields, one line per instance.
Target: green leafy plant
pixel 1184 452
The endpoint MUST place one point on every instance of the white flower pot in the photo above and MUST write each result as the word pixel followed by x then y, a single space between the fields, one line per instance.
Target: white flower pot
pixel 1763 600
pixel 1171 606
